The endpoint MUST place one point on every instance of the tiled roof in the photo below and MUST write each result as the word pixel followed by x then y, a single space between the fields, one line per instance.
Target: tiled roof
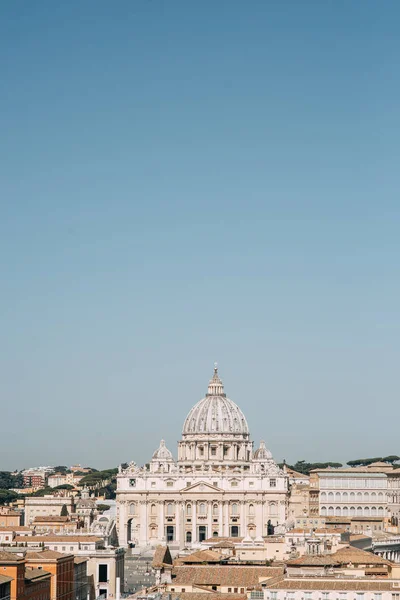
pixel 8 557
pixel 357 556
pixel 201 556
pixel 15 528
pixel 237 576
pixel 6 579
pixel 226 544
pixel 45 555
pixel 332 584
pixel 224 539
pixel 32 574
pixel 161 557
pixel 312 560
pixel 344 556
pixel 61 538
pixel 211 596
pixel 52 518
pixel 80 559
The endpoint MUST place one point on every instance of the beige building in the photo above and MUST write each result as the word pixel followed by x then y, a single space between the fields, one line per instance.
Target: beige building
pixel 63 479
pixel 219 486
pixel 354 492
pixel 47 505
pixel 9 517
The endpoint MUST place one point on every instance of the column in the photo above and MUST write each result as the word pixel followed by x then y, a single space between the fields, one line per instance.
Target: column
pixel 243 526
pixel 122 525
pixel 178 522
pixel 143 524
pixel 194 522
pixel 258 518
pixel 161 525
pixel 209 518
pixel 221 519
pixel 226 520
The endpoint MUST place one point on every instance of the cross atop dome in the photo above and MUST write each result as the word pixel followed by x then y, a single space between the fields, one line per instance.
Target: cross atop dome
pixel 215 386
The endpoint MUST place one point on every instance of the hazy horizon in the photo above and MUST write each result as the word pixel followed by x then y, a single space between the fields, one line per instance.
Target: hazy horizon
pixel 184 183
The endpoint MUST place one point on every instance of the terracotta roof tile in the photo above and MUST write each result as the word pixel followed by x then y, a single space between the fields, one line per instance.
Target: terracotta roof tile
pixel 5 579
pixel 51 518
pixel 201 556
pixel 9 557
pixel 161 557
pixel 60 538
pixel 45 555
pixel 334 584
pixel 32 574
pixel 237 576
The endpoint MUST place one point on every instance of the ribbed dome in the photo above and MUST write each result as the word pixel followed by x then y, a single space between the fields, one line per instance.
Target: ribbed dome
pixel 215 413
pixel 262 453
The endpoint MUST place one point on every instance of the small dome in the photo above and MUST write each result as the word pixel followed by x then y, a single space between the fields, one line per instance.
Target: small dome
pixel 215 413
pixel 162 452
pixel 262 453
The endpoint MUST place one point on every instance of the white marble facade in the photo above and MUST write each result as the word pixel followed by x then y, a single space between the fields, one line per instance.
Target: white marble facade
pixel 218 487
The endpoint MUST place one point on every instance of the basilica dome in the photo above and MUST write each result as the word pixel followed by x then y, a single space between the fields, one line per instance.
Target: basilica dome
pixel 216 414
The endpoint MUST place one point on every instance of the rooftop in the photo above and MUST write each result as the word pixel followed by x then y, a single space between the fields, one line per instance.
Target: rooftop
pixel 232 575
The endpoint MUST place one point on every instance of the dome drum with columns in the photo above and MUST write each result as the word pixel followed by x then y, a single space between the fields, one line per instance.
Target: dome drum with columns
pixel 217 487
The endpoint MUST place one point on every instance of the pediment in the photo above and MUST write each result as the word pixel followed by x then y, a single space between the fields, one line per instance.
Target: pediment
pixel 201 486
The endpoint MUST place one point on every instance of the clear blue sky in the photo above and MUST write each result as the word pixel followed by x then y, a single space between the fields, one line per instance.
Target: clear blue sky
pixel 190 182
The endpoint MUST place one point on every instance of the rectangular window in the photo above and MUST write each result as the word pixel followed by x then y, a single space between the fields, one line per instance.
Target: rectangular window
pixel 188 483
pixel 153 484
pixel 229 590
pixel 274 595
pixel 213 451
pixel 395 596
pixel 103 592
pixel 103 573
pixel 170 483
pixel 377 596
pixel 272 483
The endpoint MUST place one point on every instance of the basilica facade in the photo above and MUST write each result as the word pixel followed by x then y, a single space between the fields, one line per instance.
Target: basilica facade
pixel 218 487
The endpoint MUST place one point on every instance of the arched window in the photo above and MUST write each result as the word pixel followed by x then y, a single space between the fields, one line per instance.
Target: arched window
pixel 345 511
pixel 366 511
pixel 352 511
pixel 170 509
pixel 153 509
pixel 366 497
pixel 202 509
pixel 188 537
pixel 189 511
pixel 337 511
pixel 330 511
pixel 215 533
pixel 323 511
pixel 352 496
pixel 251 509
pixel 373 511
pixel 132 509
pixel 215 510
pixel 234 509
pixel 273 509
pixel 323 497
pixel 345 497
pixel 359 511
pixel 330 496
pixel 373 496
pixel 380 511
pixel 380 496
pixel 337 497
pixel 359 496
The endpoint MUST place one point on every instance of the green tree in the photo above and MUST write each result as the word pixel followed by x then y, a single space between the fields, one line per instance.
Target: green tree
pixel 6 496
pixel 64 511
pixel 61 469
